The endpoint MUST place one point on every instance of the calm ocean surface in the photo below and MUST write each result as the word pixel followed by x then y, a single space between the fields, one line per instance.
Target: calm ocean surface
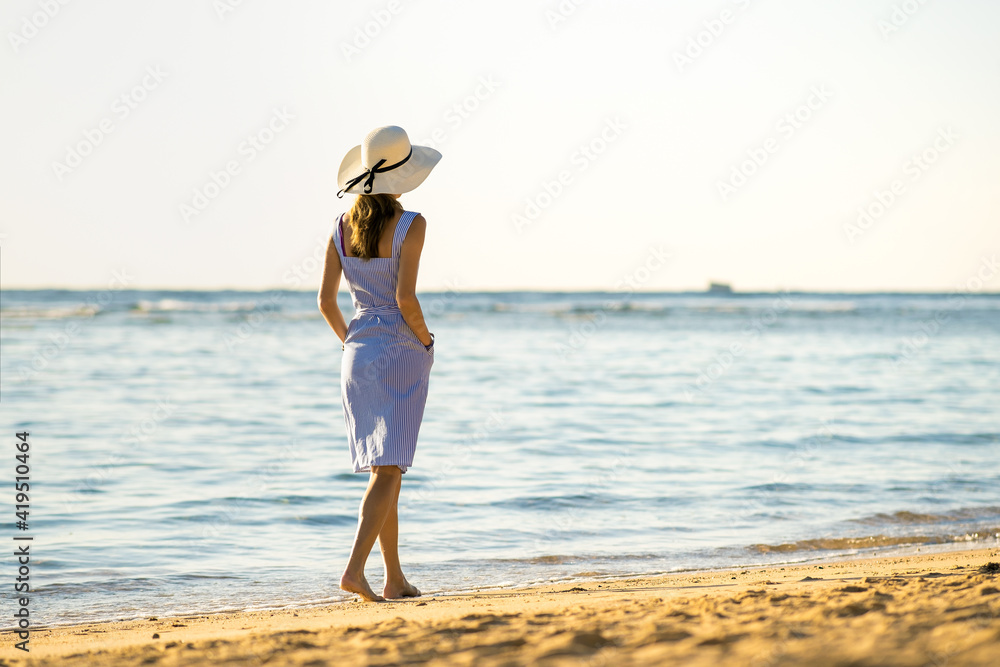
pixel 188 448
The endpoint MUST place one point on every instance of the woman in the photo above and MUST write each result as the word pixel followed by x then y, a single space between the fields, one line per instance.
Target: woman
pixel 388 350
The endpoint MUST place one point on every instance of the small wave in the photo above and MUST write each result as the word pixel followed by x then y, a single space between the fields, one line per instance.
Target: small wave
pixel 327 519
pixel 561 559
pixel 680 309
pixel 780 487
pixel 906 518
pixel 112 584
pixel 870 541
pixel 51 313
pixel 184 306
pixel 554 503
pixel 551 560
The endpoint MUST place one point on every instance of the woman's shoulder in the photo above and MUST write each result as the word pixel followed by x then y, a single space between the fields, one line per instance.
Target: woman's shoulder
pixel 415 230
pixel 417 222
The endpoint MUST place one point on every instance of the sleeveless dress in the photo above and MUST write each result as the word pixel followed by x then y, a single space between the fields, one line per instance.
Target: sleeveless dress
pixel 385 370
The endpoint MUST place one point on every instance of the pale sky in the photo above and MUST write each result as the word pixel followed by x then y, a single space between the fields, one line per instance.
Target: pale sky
pixel 840 103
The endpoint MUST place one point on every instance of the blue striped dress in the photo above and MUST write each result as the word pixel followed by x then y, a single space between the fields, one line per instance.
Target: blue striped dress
pixel 385 370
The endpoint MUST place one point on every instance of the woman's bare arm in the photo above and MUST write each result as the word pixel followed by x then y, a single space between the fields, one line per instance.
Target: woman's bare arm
pixel 406 285
pixel 327 297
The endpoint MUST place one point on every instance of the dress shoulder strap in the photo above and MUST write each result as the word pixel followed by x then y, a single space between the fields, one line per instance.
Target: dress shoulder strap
pixel 338 235
pixel 401 228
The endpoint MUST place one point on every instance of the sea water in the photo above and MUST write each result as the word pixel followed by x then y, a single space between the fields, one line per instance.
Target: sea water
pixel 188 451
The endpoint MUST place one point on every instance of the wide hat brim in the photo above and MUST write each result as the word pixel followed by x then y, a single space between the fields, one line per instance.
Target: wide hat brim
pixel 403 178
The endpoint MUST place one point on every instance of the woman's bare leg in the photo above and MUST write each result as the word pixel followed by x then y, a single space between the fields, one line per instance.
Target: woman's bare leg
pixel 396 585
pixel 379 499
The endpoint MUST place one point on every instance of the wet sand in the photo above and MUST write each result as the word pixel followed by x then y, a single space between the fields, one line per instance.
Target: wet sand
pixel 924 609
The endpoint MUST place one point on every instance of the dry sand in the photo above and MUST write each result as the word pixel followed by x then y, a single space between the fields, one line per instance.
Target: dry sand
pixel 940 609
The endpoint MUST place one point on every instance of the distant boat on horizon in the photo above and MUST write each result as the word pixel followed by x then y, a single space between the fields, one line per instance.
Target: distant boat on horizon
pixel 720 288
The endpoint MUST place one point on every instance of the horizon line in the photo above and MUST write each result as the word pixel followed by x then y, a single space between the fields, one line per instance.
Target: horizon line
pixel 536 290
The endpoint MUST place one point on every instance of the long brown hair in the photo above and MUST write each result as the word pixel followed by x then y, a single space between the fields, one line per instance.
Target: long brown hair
pixel 367 219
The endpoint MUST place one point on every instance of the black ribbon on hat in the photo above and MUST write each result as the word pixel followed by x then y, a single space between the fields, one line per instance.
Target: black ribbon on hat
pixel 370 174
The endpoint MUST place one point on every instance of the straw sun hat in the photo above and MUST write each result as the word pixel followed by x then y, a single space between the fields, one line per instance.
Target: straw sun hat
pixel 385 162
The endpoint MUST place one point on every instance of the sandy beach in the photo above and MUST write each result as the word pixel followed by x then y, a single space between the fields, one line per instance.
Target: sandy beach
pixel 922 609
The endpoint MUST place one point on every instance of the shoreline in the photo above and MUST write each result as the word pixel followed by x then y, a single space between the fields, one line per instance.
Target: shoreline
pixel 884 551
pixel 921 607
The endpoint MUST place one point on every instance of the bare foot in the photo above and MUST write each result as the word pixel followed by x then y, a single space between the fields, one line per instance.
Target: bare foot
pixel 359 585
pixel 400 590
